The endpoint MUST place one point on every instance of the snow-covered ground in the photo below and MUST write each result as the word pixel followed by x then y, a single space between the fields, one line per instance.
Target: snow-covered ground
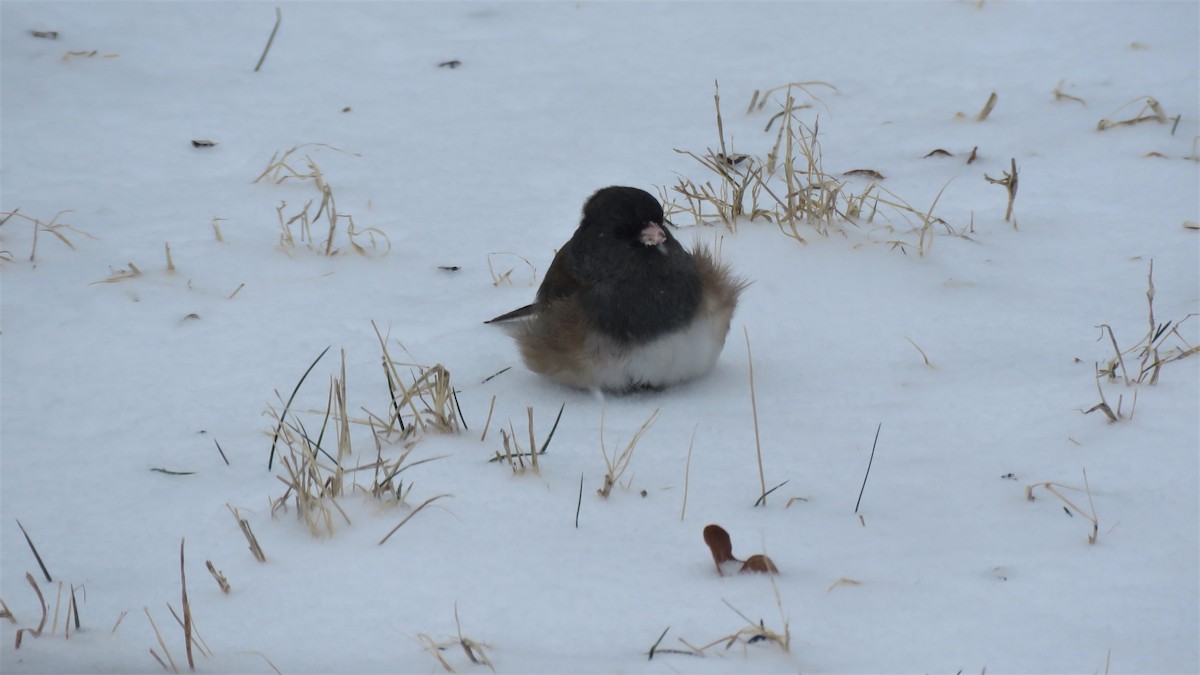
pixel 946 567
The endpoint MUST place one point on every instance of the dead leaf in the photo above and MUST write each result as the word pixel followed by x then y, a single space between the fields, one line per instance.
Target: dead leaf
pixel 758 563
pixel 721 546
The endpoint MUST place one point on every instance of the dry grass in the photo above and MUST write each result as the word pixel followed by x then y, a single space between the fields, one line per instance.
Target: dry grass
pixel 270 40
pixel 1151 111
pixel 791 187
pixel 619 462
pixel 1053 488
pixel 119 274
pixel 315 478
pixel 1009 183
pixel 217 228
pixel 36 555
pixel 428 403
pixel 762 476
pixel 505 277
pixel 365 241
pixel 987 108
pixel 409 517
pixel 476 652
pixel 1060 95
pixel 924 357
pixel 187 608
pixel 244 526
pixel 518 458
pixel 52 226
pixel 687 470
pixel 316 465
pixel 753 632
pixel 35 632
pixel 217 575
pixel 1161 344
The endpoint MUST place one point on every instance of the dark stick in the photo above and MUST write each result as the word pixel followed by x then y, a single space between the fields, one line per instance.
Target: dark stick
pixel 35 553
pixel 578 506
pixel 454 394
pixel 278 18
pixel 187 611
pixel 282 416
pixel 222 452
pixel 763 499
pixel 552 428
pixel 868 473
pixel 658 642
pixel 75 607
pixel 392 391
pixel 485 380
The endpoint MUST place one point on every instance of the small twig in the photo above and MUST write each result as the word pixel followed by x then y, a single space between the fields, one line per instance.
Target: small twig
pixel 161 643
pixel 870 461
pixel 488 423
pixel 35 632
pixel 454 395
pixel 244 524
pixel 187 609
pixel 415 511
pixel 1009 182
pixel 33 548
pixel 763 498
pixel 493 375
pixel 278 19
pixel 553 427
pixel 279 427
pixel 1120 359
pixel 221 580
pixel 222 452
pixel 75 608
pixel 579 502
pixel 657 643
pixel 762 478
pixel 987 108
pixel 687 468
pixel 922 351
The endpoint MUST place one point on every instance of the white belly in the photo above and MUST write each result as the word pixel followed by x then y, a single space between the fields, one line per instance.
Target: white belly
pixel 670 359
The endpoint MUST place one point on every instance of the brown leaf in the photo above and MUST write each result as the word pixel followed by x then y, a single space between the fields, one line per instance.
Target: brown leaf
pixel 869 173
pixel 759 563
pixel 721 546
pixel 937 152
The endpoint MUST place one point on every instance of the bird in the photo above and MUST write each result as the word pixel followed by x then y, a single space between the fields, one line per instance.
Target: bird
pixel 624 306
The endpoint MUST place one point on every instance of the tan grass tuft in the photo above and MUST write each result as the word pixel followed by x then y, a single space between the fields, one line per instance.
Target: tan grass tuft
pixel 35 632
pixel 618 463
pixel 1009 183
pixel 1151 111
pixel 1053 488
pixel 222 582
pixel 1162 344
pixel 59 230
pixel 244 525
pixel 506 277
pixel 790 187
pixel 1060 95
pixel 278 170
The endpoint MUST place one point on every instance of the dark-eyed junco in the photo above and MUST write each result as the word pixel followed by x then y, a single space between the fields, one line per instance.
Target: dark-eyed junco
pixel 624 306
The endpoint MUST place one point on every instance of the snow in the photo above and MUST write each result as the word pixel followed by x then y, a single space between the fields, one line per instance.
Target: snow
pixel 955 569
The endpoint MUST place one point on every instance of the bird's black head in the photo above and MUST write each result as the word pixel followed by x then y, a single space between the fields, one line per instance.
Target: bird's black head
pixel 626 214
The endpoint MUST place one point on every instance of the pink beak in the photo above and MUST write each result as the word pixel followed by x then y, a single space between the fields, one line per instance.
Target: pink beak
pixel 653 234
